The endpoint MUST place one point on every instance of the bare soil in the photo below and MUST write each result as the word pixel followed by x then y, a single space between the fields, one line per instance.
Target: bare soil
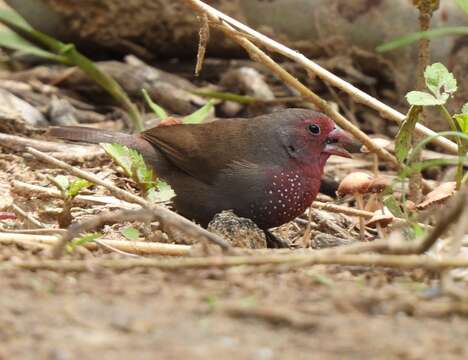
pixel 239 313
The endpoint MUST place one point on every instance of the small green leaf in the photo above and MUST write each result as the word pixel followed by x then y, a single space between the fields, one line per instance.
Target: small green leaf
pixel 163 193
pixel 158 110
pixel 63 182
pixel 119 154
pixel 440 81
pixel 199 115
pixel 78 185
pixel 404 136
pixel 422 99
pixel 131 233
pixel 83 240
pixel 430 34
pixel 393 205
pixel 11 40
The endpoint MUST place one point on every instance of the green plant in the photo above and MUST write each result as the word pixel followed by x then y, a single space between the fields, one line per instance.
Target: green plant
pixel 69 191
pixel 64 53
pixel 134 166
pixel 441 85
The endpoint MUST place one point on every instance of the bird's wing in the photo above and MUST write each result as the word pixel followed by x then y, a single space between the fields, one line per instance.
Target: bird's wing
pixel 195 149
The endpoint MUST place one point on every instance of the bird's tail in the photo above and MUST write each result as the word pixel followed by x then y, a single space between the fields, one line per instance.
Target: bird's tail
pixel 90 135
pixel 96 136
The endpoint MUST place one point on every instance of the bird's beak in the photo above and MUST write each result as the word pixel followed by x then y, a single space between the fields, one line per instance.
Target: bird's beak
pixel 337 142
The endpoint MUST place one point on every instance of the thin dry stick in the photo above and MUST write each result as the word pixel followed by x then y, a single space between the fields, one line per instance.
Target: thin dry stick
pixel 204 35
pixel 397 261
pixel 169 220
pixel 133 247
pixel 325 75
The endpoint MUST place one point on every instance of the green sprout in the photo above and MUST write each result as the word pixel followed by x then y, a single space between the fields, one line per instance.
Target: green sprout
pixel 69 191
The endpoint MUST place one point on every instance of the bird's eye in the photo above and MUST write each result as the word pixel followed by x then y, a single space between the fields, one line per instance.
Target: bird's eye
pixel 314 129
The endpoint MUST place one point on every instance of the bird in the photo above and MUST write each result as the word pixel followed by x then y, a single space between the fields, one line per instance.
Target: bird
pixel 266 168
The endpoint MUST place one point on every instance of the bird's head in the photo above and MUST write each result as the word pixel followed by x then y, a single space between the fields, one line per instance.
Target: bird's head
pixel 310 136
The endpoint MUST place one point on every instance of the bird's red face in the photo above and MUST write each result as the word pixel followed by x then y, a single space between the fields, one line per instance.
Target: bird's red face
pixel 319 138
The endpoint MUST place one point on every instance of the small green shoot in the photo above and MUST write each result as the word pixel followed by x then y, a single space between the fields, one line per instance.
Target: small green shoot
pixel 130 233
pixel 194 118
pixel 158 110
pixel 72 245
pixel 199 115
pixel 69 191
pixel 134 166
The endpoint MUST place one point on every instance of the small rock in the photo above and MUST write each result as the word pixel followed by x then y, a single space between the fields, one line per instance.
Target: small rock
pixel 239 232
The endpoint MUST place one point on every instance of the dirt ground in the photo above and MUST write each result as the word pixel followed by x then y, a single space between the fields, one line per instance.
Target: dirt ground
pixel 239 313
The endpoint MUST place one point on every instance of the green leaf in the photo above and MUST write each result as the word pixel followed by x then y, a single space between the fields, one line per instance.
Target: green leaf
pixel 404 135
pixel 463 4
pixel 422 99
pixel 131 233
pixel 440 81
pixel 78 185
pixel 198 116
pixel 393 205
pixel 83 240
pixel 158 110
pixel 163 193
pixel 62 181
pixel 11 40
pixel 119 154
pixel 462 120
pixel 12 17
pixel 412 38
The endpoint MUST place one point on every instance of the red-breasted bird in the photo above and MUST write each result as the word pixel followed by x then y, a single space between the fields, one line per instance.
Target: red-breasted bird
pixel 266 168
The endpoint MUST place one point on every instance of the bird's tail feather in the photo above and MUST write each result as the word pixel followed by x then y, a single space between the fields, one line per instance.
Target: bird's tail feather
pixel 90 135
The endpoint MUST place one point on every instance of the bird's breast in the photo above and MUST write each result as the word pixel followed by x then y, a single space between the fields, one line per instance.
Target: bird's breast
pixel 287 194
